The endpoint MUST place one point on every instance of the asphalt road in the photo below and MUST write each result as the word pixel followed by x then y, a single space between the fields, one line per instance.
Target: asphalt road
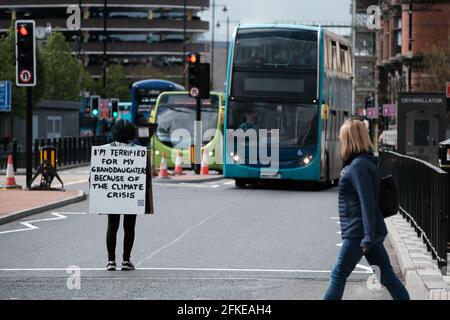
pixel 206 241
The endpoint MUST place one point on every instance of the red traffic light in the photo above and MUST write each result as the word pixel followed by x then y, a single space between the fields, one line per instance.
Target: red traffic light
pixel 193 58
pixel 23 31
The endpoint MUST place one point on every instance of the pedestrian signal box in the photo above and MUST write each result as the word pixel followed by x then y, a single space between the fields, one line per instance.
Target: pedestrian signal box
pixel 114 108
pixel 95 101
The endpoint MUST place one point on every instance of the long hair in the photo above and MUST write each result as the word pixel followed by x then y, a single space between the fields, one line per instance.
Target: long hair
pixel 354 138
pixel 123 131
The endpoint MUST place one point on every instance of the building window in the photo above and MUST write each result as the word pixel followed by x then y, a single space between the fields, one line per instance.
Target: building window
pixel 53 127
pixel 398 35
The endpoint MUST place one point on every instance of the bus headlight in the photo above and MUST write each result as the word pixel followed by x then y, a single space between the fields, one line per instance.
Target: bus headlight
pixel 307 159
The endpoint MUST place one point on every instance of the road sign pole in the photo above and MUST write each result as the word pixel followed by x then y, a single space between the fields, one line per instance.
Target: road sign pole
pixel 198 136
pixel 29 139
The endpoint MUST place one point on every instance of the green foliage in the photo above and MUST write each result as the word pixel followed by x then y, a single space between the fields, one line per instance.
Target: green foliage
pixel 117 85
pixel 63 71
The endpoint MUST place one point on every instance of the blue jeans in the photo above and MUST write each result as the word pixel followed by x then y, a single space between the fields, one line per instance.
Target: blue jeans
pixel 350 254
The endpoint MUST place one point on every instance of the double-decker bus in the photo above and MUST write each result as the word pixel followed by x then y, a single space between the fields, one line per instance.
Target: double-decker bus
pixel 175 113
pixel 293 85
pixel 144 94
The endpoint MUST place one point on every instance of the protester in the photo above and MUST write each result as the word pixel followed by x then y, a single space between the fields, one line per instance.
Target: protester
pixel 123 133
pixel 361 221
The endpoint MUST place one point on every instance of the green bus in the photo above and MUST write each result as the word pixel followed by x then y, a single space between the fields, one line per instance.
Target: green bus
pixel 174 113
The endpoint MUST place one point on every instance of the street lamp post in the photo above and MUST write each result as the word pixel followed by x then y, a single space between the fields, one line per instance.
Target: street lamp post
pixel 228 31
pixel 105 14
pixel 410 41
pixel 212 35
pixel 184 43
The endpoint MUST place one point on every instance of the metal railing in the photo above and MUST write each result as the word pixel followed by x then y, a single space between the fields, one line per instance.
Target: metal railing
pixel 69 151
pixel 423 192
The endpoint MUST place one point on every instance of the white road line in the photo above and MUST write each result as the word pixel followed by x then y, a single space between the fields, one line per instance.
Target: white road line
pixel 334 218
pixel 228 183
pixel 368 270
pixel 215 186
pixel 339 232
pixel 171 243
pixel 30 223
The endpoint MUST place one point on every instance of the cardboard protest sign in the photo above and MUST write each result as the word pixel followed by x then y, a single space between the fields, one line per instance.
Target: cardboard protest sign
pixel 119 180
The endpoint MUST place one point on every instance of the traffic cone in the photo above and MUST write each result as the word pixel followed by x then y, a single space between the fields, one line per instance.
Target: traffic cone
pixel 163 173
pixel 178 164
pixel 204 170
pixel 10 179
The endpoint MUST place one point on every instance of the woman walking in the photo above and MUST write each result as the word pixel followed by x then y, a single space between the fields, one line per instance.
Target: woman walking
pixel 362 223
pixel 123 133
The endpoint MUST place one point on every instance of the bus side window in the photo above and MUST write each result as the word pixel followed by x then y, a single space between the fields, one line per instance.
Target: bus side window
pixel 334 55
pixel 334 125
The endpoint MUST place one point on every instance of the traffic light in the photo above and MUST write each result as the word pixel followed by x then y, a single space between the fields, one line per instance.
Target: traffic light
pixel 194 69
pixel 370 102
pixel 115 108
pixel 95 100
pixel 25 53
pixel 198 84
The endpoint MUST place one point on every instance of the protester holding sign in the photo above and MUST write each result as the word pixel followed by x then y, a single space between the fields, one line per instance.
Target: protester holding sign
pixel 118 175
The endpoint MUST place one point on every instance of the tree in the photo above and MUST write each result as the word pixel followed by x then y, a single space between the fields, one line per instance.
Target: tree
pixel 117 85
pixel 436 68
pixel 63 71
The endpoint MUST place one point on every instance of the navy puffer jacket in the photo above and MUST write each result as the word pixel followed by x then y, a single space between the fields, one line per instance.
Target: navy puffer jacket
pixel 359 212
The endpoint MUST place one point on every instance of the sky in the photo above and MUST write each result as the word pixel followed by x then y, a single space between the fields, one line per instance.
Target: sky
pixel 269 11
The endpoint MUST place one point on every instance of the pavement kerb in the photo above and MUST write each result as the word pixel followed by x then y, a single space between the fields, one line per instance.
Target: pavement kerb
pixel 418 287
pixel 39 209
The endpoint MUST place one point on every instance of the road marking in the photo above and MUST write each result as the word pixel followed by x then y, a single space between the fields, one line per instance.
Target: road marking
pixel 215 186
pixel 339 244
pixel 367 268
pixel 229 183
pixel 174 241
pixel 339 232
pixel 191 269
pixel 30 223
pixel 334 218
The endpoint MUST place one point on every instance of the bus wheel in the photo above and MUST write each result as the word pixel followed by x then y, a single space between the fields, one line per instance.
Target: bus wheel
pixel 240 183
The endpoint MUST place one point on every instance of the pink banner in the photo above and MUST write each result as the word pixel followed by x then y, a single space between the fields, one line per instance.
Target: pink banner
pixel 372 113
pixel 389 110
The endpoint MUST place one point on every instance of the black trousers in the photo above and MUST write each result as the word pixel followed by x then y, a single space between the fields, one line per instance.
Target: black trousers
pixel 129 223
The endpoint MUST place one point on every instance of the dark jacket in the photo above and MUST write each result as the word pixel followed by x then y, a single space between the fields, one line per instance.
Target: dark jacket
pixel 359 212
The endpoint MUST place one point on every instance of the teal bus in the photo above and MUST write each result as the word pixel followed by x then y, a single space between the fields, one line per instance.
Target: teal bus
pixel 293 84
